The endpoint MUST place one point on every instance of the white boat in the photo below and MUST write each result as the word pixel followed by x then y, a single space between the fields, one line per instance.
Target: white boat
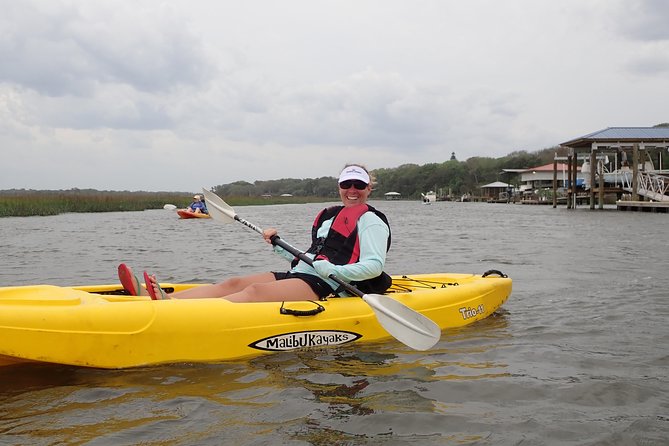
pixel 429 197
pixel 619 177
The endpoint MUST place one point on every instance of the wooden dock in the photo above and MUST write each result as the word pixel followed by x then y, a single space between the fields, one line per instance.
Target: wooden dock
pixel 643 206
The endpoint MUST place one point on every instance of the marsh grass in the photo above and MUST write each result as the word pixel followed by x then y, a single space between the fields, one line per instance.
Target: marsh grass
pixel 23 203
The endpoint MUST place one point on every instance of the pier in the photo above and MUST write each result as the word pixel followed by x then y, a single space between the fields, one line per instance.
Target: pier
pixel 606 168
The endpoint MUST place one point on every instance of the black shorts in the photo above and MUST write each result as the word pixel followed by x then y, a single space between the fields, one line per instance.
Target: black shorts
pixel 320 286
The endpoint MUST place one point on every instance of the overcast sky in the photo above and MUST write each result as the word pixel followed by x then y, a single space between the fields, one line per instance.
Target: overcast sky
pixel 178 94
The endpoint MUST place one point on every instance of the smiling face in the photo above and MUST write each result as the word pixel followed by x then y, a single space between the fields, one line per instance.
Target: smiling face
pixel 353 196
pixel 355 185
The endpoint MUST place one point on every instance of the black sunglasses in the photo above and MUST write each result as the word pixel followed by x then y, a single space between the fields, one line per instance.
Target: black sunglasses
pixel 360 185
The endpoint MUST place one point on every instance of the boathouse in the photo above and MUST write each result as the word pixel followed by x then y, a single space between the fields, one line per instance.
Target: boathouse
pixel 497 192
pixel 631 162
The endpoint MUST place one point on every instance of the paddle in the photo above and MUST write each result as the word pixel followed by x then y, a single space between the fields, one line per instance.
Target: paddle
pixel 406 325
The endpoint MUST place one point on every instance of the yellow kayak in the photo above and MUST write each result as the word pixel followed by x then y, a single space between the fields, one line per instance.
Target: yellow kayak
pixel 100 326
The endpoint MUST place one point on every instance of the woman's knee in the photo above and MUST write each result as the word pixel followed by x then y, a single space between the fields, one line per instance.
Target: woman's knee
pixel 238 284
pixel 232 282
pixel 256 292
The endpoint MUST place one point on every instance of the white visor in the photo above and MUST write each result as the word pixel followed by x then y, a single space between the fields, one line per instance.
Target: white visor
pixel 354 173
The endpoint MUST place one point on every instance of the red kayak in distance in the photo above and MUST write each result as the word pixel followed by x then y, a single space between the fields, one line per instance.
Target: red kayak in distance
pixel 183 213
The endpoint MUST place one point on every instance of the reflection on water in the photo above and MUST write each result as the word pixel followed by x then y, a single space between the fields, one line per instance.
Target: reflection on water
pixel 576 356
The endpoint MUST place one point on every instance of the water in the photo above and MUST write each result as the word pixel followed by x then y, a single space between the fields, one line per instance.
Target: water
pixel 577 356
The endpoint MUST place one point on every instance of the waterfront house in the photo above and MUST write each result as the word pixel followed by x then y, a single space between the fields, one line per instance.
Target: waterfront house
pixel 541 177
pixel 535 179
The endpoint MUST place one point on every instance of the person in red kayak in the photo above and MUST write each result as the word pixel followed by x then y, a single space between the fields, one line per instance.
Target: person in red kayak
pixel 349 241
pixel 197 206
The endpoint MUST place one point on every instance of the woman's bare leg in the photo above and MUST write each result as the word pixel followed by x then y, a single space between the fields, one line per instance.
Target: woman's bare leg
pixel 262 287
pixel 274 291
pixel 221 289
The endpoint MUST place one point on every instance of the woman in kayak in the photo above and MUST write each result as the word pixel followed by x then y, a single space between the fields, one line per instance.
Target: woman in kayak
pixel 197 206
pixel 349 241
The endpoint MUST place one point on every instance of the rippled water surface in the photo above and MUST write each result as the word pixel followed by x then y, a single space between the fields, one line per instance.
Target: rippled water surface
pixel 578 354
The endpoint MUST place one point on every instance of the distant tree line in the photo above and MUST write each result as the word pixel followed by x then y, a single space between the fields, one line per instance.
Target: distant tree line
pixel 310 187
pixel 449 177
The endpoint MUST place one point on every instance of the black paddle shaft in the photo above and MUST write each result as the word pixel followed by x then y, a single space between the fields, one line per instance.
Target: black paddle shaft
pixel 277 241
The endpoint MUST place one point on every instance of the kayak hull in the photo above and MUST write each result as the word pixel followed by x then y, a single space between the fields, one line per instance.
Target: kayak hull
pixel 183 213
pixel 97 326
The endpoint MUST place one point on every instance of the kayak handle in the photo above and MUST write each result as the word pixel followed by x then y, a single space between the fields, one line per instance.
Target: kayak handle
pixel 495 272
pixel 319 308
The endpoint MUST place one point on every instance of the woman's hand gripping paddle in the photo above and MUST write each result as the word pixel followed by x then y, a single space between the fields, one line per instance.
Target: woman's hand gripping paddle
pixel 404 324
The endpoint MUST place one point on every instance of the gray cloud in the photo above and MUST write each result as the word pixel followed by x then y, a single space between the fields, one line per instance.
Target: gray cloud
pixel 644 19
pixel 60 49
pixel 365 109
pixel 651 61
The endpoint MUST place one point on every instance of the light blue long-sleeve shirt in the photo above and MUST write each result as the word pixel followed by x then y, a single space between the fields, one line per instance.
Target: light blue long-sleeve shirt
pixel 373 235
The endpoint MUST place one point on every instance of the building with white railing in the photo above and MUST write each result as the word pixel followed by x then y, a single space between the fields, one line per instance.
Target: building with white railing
pixel 632 162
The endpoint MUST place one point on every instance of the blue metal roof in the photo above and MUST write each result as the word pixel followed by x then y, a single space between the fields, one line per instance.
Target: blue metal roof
pixel 630 133
pixel 646 134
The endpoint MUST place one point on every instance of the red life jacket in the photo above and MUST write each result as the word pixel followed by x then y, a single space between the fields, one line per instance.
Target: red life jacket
pixel 341 246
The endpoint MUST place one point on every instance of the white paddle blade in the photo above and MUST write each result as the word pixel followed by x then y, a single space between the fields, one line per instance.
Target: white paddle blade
pixel 169 207
pixel 404 324
pixel 218 209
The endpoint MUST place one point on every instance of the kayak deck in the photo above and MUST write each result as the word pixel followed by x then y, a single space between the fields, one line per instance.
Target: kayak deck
pixel 183 213
pixel 101 326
